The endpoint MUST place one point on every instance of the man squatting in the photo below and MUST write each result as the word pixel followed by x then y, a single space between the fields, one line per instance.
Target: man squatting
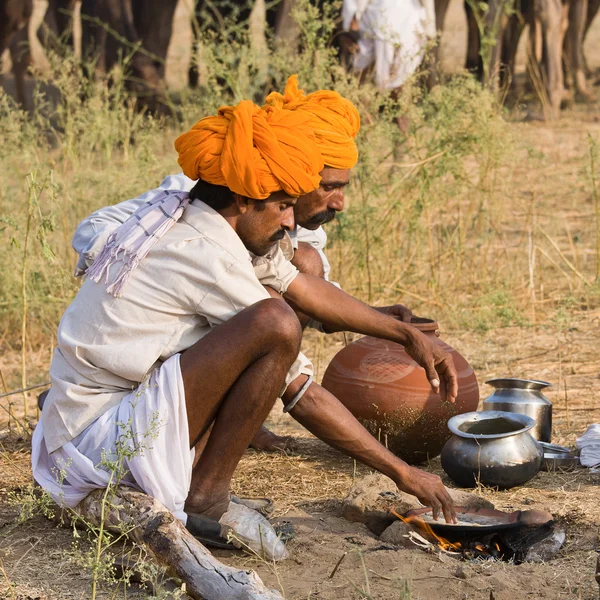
pixel 180 332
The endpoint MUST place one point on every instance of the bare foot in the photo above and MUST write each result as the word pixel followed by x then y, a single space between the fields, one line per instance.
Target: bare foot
pixel 267 441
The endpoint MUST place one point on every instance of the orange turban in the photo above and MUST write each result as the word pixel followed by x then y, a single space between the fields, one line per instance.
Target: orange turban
pixel 334 120
pixel 252 152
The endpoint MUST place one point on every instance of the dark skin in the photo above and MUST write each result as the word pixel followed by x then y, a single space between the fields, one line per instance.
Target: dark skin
pixel 329 420
pixel 320 207
pixel 311 211
pixel 319 405
pixel 261 223
pixel 230 387
pixel 318 299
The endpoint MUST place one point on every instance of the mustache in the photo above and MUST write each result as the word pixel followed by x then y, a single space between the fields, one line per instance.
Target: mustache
pixel 323 217
pixel 277 236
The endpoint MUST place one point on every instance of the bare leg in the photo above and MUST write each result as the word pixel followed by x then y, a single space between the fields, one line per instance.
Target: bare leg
pixel 306 260
pixel 267 441
pixel 231 387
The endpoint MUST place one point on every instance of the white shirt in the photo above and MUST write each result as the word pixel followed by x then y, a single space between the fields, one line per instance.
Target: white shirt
pixel 91 234
pixel 197 276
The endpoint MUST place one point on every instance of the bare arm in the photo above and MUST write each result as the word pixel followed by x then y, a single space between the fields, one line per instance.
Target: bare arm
pixel 337 310
pixel 327 418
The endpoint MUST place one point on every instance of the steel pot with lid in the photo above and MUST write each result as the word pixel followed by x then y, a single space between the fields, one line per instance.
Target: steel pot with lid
pixel 494 448
pixel 523 396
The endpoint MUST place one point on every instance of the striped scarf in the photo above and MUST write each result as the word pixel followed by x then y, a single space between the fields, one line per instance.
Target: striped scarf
pixel 131 242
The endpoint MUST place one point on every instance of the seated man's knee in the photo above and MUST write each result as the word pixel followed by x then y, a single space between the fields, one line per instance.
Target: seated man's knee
pixel 308 260
pixel 275 320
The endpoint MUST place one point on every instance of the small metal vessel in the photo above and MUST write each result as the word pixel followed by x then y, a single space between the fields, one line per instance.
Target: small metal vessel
pixel 523 396
pixel 494 448
pixel 558 458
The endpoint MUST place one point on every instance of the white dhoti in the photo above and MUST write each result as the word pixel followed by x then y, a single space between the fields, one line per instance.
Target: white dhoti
pixel 394 34
pixel 148 429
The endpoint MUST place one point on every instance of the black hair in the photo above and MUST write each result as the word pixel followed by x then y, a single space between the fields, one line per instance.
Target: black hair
pixel 218 197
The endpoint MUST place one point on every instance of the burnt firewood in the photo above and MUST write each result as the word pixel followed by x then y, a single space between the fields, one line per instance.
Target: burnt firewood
pixel 521 539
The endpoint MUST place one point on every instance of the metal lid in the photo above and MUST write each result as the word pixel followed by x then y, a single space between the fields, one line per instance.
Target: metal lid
pixel 519 384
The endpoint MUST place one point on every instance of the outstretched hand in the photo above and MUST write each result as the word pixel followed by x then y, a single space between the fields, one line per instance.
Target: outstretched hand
pixel 430 491
pixel 398 311
pixel 438 365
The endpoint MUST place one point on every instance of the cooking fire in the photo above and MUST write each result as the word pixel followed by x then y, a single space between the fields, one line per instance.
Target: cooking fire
pixel 488 534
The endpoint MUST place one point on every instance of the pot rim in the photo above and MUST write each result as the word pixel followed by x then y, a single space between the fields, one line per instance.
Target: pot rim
pixel 424 324
pixel 455 422
pixel 518 384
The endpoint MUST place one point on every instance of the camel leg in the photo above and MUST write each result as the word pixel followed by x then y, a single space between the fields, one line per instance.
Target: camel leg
pixel 578 10
pixel 593 7
pixel 551 14
pixel 512 36
pixel 441 8
pixel 473 62
pixel 21 59
pixel 496 21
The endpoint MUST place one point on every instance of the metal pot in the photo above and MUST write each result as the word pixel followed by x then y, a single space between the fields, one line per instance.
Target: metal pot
pixel 494 448
pixel 523 396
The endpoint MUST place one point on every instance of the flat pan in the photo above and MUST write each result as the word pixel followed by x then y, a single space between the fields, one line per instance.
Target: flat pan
pixel 560 462
pixel 554 448
pixel 488 520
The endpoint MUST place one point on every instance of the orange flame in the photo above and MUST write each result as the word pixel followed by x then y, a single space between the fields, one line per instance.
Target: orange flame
pixel 425 528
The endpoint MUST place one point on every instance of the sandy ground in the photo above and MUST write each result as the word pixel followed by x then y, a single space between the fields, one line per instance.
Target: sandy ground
pixel 309 485
pixel 308 488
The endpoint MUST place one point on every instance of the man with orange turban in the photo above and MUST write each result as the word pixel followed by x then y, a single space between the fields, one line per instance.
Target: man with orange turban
pixel 174 333
pixel 335 123
pixel 172 342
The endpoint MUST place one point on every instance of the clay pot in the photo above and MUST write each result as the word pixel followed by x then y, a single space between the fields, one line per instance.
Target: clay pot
pixel 389 394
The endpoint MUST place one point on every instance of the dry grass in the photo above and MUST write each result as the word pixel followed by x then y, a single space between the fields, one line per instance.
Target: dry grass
pixel 485 224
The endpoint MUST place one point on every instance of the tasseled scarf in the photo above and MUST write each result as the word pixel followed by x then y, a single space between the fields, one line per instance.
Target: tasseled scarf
pixel 132 241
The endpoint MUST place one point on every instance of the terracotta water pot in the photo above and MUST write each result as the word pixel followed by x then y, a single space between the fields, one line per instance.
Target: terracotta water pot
pixel 389 393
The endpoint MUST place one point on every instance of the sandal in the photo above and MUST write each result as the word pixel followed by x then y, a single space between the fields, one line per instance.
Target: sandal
pixel 207 531
pixel 264 506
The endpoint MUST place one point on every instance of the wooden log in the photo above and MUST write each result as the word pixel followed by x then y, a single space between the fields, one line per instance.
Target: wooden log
pixel 150 523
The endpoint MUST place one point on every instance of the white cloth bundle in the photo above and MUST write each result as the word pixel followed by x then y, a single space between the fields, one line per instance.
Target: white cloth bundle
pixel 589 445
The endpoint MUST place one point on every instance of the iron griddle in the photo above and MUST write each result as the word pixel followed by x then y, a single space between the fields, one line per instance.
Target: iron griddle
pixel 502 522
